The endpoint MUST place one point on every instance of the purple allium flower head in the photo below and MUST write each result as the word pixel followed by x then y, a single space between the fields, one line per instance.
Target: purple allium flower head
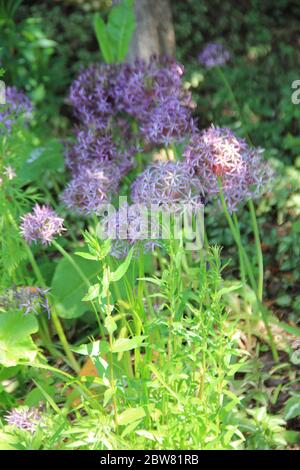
pixel 93 147
pixel 91 188
pixel 169 121
pixel 92 95
pixel 139 86
pixel 213 55
pixel 29 299
pixel 166 76
pixel 24 418
pixel 153 93
pixel 17 104
pixel 133 94
pixel 217 154
pixel 41 224
pixel 130 226
pixel 168 185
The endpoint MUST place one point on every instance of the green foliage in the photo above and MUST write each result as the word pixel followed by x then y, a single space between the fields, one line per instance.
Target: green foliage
pixel 16 343
pixel 168 349
pixel 114 36
pixel 68 287
pixel 27 55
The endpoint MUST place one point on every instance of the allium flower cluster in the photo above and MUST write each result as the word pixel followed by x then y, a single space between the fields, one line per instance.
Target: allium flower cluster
pixel 217 156
pixel 28 299
pixel 167 122
pixel 17 104
pixel 154 95
pixel 130 226
pixel 168 185
pixel 24 418
pixel 93 147
pixel 136 90
pixel 91 188
pixel 213 55
pixel 92 95
pixel 114 102
pixel 41 224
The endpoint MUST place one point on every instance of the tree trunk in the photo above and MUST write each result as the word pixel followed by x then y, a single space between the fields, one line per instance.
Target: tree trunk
pixel 154 31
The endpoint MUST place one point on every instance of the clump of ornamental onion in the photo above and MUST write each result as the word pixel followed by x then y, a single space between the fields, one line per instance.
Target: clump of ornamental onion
pixel 140 91
pixel 169 121
pixel 217 156
pixel 213 55
pixel 168 185
pixel 91 188
pixel 41 224
pixel 92 147
pixel 92 95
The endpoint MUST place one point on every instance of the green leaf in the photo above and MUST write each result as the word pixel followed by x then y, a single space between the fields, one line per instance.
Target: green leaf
pixel 110 325
pixel 131 427
pixel 227 290
pixel 92 294
pixel 68 288
pixel 93 349
pixel 108 394
pixel 126 344
pixel 131 415
pixel 8 441
pixel 292 408
pixel 15 338
pixel 120 28
pixel 85 255
pixel 102 38
pixel 102 367
pixel 293 330
pixel 48 156
pixel 119 273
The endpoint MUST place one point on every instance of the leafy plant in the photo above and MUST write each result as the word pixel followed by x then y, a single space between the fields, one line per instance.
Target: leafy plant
pixel 114 36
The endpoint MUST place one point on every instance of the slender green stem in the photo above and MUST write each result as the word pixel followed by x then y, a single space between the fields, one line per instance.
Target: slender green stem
pixel 69 258
pixel 258 251
pixel 250 203
pixel 54 316
pixel 248 265
pixel 111 365
pixel 244 282
pixel 141 275
pixel 236 235
pixel 234 101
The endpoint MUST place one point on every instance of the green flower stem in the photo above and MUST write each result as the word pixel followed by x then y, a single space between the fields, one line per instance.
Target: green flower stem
pixel 83 277
pixel 258 250
pixel 244 282
pixel 124 322
pixel 237 238
pixel 141 275
pixel 234 101
pixel 111 362
pixel 236 235
pixel 54 316
pixel 250 203
pixel 248 265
